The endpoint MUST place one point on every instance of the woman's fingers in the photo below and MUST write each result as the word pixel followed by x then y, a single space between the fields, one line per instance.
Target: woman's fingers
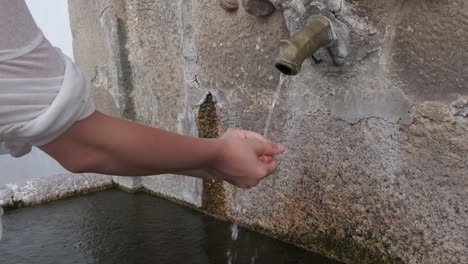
pixel 268 169
pixel 265 158
pixel 268 148
pixel 272 167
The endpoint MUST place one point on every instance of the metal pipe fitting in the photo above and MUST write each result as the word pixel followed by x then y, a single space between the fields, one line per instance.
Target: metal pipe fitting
pixel 304 43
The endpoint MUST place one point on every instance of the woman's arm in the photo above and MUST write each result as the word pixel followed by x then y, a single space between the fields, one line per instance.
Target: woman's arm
pixel 102 144
pixel 107 145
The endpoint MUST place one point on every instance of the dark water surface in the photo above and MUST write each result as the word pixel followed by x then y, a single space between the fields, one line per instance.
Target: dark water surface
pixel 118 227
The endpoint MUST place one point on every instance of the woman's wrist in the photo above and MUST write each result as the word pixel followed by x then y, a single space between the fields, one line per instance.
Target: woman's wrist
pixel 214 148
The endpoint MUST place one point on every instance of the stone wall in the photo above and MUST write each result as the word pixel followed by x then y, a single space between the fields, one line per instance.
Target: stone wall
pixel 377 161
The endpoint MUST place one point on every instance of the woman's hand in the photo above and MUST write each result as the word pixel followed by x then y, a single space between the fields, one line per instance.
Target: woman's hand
pixel 245 158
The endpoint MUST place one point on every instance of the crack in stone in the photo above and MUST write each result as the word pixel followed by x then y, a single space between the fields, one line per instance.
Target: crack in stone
pixel 104 11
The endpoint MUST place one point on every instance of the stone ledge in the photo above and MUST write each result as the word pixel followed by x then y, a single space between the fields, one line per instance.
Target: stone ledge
pixel 51 188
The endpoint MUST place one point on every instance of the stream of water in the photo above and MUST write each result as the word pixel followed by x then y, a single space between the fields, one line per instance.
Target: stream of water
pixel 235 225
pixel 281 82
pixel 1 226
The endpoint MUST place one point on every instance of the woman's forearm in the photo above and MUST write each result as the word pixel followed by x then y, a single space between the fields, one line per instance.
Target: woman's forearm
pixel 113 146
pixel 148 151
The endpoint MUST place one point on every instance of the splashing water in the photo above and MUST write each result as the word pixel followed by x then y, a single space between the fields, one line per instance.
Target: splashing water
pixel 229 256
pixel 254 257
pixel 1 226
pixel 235 225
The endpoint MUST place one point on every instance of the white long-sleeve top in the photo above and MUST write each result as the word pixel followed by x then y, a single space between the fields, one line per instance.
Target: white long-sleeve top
pixel 42 92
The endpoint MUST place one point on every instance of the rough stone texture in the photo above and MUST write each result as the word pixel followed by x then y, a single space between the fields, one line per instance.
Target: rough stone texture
pixel 6 196
pixel 258 7
pixel 130 184
pixel 229 5
pixel 377 161
pixel 95 66
pixel 51 188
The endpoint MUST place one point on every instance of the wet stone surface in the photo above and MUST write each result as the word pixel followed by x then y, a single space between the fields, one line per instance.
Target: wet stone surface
pixel 118 227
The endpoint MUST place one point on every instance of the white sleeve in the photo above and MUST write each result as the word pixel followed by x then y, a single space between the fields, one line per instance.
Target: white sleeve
pixel 24 52
pixel 42 92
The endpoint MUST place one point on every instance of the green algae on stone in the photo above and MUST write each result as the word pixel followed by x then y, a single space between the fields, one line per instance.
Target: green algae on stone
pixel 213 196
pixel 328 244
pixel 207 119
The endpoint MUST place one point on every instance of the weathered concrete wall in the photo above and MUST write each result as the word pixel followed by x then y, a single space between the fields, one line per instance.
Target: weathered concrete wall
pixel 138 73
pixel 377 162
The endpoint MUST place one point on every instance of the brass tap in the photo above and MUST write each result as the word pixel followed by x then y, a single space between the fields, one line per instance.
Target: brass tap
pixel 302 44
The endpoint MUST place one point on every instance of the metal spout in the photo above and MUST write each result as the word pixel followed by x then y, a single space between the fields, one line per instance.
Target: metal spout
pixel 302 44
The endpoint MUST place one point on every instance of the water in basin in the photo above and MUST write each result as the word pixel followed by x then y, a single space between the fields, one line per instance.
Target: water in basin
pixel 118 227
